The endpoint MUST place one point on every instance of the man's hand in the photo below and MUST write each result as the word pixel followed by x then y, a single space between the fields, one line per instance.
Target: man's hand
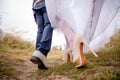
pixel 36 2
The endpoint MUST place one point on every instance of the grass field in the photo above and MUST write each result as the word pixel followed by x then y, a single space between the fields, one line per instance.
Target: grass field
pixel 15 64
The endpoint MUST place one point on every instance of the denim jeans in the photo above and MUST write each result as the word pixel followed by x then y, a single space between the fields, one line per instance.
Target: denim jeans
pixel 44 34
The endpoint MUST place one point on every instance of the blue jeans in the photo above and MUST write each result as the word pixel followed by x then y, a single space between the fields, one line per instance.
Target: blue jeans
pixel 44 34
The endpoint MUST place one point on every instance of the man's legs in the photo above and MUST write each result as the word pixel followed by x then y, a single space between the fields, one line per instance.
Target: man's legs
pixel 44 39
pixel 40 23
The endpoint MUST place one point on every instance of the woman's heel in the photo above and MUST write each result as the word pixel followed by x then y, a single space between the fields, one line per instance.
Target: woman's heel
pixel 67 57
pixel 79 58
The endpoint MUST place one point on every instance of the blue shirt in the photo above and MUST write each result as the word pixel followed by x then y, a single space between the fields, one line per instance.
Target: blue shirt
pixel 39 5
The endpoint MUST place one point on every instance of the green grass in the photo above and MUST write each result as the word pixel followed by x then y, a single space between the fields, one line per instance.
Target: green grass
pixel 105 67
pixel 12 44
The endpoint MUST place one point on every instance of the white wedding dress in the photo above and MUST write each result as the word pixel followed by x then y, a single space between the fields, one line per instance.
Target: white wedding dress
pixel 96 20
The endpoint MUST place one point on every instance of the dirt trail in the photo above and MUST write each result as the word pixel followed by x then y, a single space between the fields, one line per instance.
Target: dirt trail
pixel 25 68
pixel 29 71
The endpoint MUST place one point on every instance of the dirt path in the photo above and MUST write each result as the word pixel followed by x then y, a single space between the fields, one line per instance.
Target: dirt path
pixel 29 71
pixel 25 69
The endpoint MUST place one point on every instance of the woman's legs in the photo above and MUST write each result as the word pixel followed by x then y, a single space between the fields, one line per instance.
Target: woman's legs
pixel 74 42
pixel 67 56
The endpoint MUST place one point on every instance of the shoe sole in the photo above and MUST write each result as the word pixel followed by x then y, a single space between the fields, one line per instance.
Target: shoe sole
pixel 42 67
pixel 38 61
